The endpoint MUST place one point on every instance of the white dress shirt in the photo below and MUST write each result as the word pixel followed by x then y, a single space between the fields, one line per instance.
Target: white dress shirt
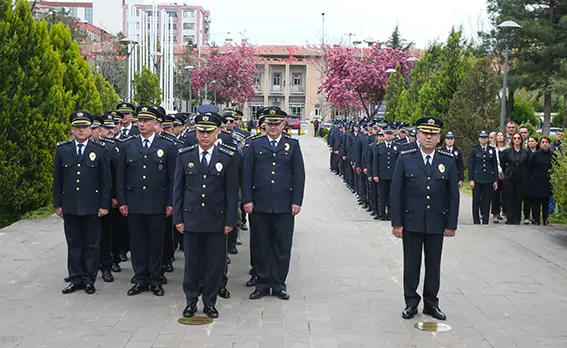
pixel 127 129
pixel 424 155
pixel 208 155
pixel 82 148
pixel 277 140
pixel 151 140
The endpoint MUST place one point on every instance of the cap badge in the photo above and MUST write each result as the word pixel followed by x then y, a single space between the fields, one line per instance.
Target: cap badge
pixel 431 122
pixel 272 112
pixel 80 114
pixel 144 109
pixel 160 153
pixel 286 146
pixel 442 168
pixel 205 118
pixel 124 105
pixel 218 166
pixel 191 165
pixel 92 156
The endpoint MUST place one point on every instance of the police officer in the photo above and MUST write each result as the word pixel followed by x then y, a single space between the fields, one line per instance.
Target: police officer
pixel 128 128
pixel 101 128
pixel 425 208
pixel 272 191
pixel 144 190
pixel 457 154
pixel 383 170
pixel 81 196
pixel 206 204
pixel 483 177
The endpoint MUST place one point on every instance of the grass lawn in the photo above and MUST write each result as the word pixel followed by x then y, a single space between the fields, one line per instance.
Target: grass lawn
pixel 42 212
pixel 467 188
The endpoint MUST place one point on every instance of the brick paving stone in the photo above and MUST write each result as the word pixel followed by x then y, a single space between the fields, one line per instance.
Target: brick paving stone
pixel 502 286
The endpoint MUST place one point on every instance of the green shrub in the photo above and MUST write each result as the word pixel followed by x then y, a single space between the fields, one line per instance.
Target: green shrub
pixel 524 112
pixel 559 177
pixel 531 129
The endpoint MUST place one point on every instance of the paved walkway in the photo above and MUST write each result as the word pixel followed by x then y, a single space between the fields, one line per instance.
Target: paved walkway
pixel 501 287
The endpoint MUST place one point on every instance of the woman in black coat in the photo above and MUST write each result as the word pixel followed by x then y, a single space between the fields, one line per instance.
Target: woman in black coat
pixel 533 146
pixel 539 170
pixel 514 163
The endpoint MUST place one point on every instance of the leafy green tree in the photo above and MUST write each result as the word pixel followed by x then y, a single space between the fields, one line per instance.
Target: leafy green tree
pixel 34 113
pixel 394 87
pixel 146 88
pixel 108 96
pixel 559 177
pixel 61 15
pixel 474 106
pixel 397 42
pixel 78 78
pixel 524 112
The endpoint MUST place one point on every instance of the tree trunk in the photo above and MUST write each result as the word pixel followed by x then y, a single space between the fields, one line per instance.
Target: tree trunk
pixel 564 110
pixel 509 103
pixel 546 113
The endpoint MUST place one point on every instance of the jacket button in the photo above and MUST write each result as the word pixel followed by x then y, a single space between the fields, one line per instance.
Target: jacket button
pixel 274 155
pixel 78 189
pixel 144 187
pixel 78 173
pixel 204 176
pixel 145 156
pixel 273 182
pixel 428 207
pixel 273 173
pixel 144 166
pixel 203 195
pixel 273 163
pixel 143 177
pixel 428 187
pixel 78 164
pixel 428 178
pixel 78 181
pixel 427 197
pixel 204 186
pixel 202 204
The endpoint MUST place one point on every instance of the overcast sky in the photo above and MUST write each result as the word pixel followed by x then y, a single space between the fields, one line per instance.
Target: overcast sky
pixel 297 22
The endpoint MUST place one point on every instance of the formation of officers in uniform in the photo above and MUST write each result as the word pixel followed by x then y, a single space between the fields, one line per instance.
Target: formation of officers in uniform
pixel 399 175
pixel 138 180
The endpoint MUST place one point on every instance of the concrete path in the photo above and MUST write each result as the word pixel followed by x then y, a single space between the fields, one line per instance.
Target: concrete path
pixel 501 287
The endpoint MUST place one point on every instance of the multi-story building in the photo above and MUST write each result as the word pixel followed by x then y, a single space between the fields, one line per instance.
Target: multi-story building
pixel 80 9
pixel 190 23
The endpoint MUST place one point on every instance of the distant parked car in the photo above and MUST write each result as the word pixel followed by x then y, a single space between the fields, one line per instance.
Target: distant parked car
pixel 293 122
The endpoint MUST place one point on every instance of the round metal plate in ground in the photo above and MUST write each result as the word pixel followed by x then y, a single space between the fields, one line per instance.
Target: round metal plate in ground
pixel 196 320
pixel 432 326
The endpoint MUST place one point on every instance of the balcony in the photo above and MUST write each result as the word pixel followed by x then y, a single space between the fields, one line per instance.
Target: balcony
pixel 297 89
pixel 276 89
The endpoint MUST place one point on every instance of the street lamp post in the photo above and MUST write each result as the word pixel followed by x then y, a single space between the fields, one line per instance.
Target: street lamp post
pixel 510 25
pixel 189 69
pixel 350 35
pixel 128 42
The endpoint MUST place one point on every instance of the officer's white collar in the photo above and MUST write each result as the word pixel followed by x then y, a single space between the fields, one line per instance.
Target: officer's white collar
pixel 86 142
pixel 424 156
pixel 209 151
pixel 150 138
pixel 276 140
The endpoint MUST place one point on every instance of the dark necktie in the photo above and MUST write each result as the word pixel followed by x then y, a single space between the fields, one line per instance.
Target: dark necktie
pixel 80 151
pixel 274 143
pixel 146 144
pixel 124 130
pixel 428 162
pixel 204 162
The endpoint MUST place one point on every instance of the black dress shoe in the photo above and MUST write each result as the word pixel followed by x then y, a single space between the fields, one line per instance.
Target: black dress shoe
pixel 190 310
pixel 251 282
pixel 72 288
pixel 233 250
pixel 116 268
pixel 168 268
pixel 211 312
pixel 282 295
pixel 258 294
pixel 162 279
pixel 133 280
pixel 158 290
pixel 90 289
pixel 409 312
pixel 373 213
pixel 376 217
pixel 435 312
pixel 369 209
pixel 137 289
pixel 224 293
pixel 228 260
pixel 123 257
pixel 107 276
pixel 67 279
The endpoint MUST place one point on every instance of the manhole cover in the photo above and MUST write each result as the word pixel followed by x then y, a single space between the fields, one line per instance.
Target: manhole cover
pixel 196 320
pixel 432 326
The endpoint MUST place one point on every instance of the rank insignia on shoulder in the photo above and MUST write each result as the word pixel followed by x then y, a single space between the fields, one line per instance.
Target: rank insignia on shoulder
pixel 107 140
pixel 405 152
pixel 130 138
pixel 446 153
pixel 189 148
pixel 99 143
pixel 230 147
pixel 226 151
pixel 288 136
pixel 64 142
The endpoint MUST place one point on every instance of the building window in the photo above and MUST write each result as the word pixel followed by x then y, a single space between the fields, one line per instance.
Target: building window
pixel 276 81
pixel 317 111
pixel 189 38
pixel 174 26
pixel 149 13
pixel 188 26
pixel 89 15
pixel 172 13
pixel 253 109
pixel 188 14
pixel 296 109
pixel 296 79
pixel 174 38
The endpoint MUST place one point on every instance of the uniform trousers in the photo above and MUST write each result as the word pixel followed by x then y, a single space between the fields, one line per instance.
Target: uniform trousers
pixel 105 250
pixel 83 240
pixel 146 240
pixel 384 192
pixel 481 202
pixel 373 196
pixel 205 261
pixel 168 240
pixel 273 237
pixel 432 246
pixel 120 234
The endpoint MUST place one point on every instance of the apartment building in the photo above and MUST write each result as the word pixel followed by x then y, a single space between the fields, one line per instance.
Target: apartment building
pixel 82 10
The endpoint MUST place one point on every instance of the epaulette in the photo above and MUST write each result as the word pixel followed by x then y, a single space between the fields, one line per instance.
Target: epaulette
pixel 443 152
pixel 189 148
pixel 405 152
pixel 166 138
pixel 233 148
pixel 99 143
pixel 130 138
pixel 238 135
pixel 107 140
pixel 254 136
pixel 64 142
pixel 227 132
pixel 223 149
pixel 288 136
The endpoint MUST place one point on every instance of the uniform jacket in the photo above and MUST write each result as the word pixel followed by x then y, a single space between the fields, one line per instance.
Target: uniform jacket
pixel 114 154
pixel 273 179
pixel 458 155
pixel 205 199
pixel 422 201
pixel 370 154
pixel 483 165
pixel 133 131
pixel 82 187
pixel 145 180
pixel 385 160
